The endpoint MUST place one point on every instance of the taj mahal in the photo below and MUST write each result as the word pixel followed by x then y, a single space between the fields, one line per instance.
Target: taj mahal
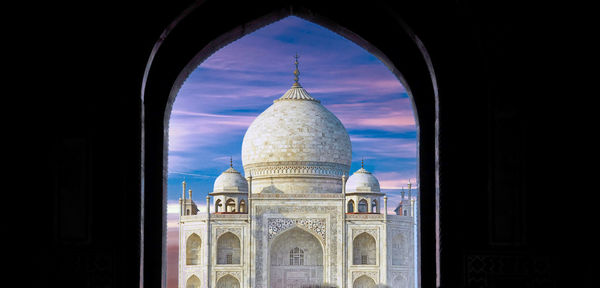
pixel 295 218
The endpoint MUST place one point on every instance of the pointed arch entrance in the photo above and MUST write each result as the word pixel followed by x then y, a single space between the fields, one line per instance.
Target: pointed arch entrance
pixel 193 245
pixel 193 282
pixel 228 281
pixel 296 259
pixel 364 282
pixel 175 55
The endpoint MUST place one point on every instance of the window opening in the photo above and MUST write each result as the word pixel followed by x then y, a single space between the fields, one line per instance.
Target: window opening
pixel 296 257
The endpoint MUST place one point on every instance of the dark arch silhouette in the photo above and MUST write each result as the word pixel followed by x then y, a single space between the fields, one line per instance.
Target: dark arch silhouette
pixel 179 51
pixel 498 65
pixel 350 208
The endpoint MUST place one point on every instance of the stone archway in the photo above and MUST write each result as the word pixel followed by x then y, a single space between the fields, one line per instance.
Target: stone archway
pixel 168 66
pixel 364 282
pixel 228 281
pixel 364 250
pixel 285 269
pixel 193 250
pixel 228 249
pixel 193 282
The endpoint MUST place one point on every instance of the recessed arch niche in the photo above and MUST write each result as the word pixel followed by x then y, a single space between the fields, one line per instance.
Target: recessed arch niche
pixel 193 250
pixel 285 270
pixel 228 281
pixel 228 249
pixel 192 282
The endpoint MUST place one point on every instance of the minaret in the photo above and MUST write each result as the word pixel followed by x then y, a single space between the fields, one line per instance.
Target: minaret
pixel 188 207
pixel 409 190
pixel 182 201
pixel 402 193
pixel 409 202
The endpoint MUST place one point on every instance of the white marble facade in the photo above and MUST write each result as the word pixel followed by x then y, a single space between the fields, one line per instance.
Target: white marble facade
pixel 295 219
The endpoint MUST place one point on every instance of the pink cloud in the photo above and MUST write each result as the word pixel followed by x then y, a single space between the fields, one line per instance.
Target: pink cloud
pixel 394 180
pixel 360 83
pixel 393 114
pixel 386 121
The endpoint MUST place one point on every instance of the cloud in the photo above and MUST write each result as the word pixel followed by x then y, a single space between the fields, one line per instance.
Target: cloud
pixel 395 180
pixel 384 147
pixel 198 129
pixel 391 114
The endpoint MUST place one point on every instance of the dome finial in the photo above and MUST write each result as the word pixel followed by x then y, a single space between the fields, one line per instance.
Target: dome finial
pixel 230 161
pixel 362 163
pixel 296 72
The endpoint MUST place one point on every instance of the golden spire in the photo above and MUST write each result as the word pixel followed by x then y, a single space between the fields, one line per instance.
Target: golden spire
pixel 362 163
pixel 230 161
pixel 296 72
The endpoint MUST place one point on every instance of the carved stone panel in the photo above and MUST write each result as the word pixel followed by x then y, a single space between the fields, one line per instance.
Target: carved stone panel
pixel 372 232
pixel 316 225
pixel 222 230
pixel 236 274
pixel 373 274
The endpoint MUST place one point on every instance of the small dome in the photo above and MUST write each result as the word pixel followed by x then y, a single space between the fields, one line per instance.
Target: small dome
pixel 362 181
pixel 231 181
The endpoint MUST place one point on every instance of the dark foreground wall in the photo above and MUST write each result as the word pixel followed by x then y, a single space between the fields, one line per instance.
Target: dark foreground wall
pixel 515 124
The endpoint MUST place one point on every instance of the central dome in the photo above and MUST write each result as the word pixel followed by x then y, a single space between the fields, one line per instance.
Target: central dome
pixel 299 145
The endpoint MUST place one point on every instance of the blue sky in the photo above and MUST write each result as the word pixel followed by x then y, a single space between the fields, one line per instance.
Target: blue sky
pixel 221 98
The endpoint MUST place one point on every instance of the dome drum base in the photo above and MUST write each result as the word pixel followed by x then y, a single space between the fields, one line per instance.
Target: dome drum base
pixel 284 168
pixel 296 185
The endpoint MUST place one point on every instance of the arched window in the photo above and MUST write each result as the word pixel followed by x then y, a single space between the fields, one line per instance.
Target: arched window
pixel 364 282
pixel 230 205
pixel 350 206
pixel 364 249
pixel 217 205
pixel 296 246
pixel 374 207
pixel 296 257
pixel 228 281
pixel 193 245
pixel 193 282
pixel 362 206
pixel 399 250
pixel 242 206
pixel 228 249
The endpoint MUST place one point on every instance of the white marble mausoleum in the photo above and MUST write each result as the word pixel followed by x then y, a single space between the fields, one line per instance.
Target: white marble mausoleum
pixel 294 218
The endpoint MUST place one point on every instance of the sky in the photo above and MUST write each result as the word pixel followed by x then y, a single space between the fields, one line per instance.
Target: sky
pixel 224 94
